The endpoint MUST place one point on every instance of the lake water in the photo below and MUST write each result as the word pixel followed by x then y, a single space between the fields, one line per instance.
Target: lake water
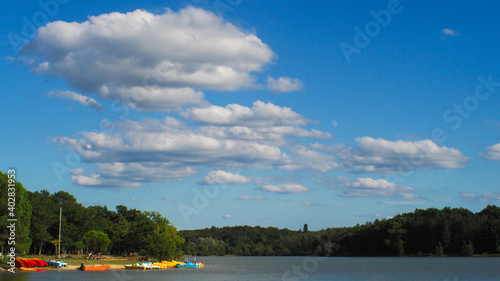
pixel 296 268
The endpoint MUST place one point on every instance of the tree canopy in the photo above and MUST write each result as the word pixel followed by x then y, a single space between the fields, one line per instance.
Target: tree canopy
pixel 96 241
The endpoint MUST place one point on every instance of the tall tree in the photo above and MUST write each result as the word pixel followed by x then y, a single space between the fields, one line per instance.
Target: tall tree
pixel 21 210
pixel 164 241
pixel 45 214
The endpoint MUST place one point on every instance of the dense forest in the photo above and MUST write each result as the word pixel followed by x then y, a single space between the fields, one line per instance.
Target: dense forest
pixel 454 232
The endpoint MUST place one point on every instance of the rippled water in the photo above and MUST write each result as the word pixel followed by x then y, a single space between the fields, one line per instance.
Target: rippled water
pixel 296 268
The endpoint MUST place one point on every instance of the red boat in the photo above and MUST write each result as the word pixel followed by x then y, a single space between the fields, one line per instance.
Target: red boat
pixel 94 267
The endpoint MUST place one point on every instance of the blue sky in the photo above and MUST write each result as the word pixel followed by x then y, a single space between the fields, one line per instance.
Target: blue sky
pixel 271 113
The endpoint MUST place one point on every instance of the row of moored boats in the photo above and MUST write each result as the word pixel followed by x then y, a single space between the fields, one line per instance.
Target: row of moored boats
pixel 164 265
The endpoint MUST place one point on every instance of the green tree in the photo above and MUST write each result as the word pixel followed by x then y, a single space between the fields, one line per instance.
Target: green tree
pixel 96 241
pixel 74 220
pixel 164 241
pixel 44 212
pixel 439 250
pixel 21 211
pixel 467 249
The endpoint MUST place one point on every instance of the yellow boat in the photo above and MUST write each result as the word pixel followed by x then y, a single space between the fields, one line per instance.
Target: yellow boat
pixel 162 264
pixel 172 264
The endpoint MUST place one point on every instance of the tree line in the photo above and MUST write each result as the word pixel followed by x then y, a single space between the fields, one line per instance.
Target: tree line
pixel 453 232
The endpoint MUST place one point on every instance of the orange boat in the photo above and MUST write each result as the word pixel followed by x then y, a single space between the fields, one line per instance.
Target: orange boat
pixel 94 267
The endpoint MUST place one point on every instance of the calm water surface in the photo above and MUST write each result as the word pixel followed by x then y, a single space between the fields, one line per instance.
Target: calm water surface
pixel 296 268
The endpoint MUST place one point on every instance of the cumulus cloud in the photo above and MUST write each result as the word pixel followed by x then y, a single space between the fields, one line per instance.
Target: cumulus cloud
pixel 170 147
pixel 83 100
pixel 285 188
pixel 492 153
pixel 167 141
pixel 153 98
pixel 383 156
pixel 95 180
pixel 152 62
pixel 260 115
pixel 284 84
pixel 368 187
pixel 117 174
pixel 222 177
pixel 250 198
pixel 484 197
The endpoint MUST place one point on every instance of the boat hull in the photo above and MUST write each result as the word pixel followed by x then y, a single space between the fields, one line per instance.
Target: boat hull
pixel 95 267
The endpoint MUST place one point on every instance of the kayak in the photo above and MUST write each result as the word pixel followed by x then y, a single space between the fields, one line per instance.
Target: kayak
pixel 40 263
pixel 32 269
pixel 94 267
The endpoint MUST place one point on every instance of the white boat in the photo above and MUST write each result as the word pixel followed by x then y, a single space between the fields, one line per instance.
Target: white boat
pixel 142 266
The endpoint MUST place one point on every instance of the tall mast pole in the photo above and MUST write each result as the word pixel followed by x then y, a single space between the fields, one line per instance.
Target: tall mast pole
pixel 59 246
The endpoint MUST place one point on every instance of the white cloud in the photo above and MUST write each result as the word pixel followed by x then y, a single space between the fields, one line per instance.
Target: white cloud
pixel 368 187
pixel 250 198
pixel 153 98
pixel 152 62
pixel 153 150
pixel 484 197
pixel 260 115
pixel 222 177
pixel 228 216
pixel 95 180
pixel 305 158
pixel 117 174
pixel 167 199
pixel 448 32
pixel 168 141
pixel 285 188
pixel 284 84
pixel 492 153
pixel 83 100
pixel 383 156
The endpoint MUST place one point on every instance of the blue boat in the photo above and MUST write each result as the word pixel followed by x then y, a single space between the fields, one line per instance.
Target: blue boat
pixel 189 264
